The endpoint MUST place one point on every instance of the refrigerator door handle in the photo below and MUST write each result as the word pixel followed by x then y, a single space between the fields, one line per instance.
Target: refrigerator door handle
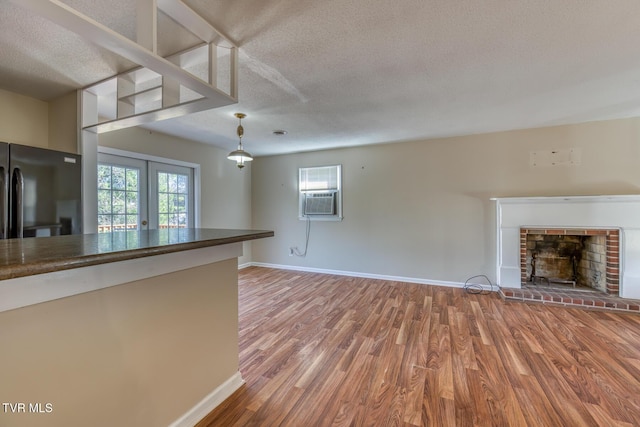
pixel 4 214
pixel 19 186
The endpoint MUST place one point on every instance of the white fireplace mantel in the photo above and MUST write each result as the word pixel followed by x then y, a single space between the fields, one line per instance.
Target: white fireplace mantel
pixel 621 212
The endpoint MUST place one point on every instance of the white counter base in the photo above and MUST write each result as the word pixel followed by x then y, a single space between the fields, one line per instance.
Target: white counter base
pixel 25 291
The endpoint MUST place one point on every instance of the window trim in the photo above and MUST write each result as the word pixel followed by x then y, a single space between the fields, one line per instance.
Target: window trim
pixel 338 197
pixel 151 158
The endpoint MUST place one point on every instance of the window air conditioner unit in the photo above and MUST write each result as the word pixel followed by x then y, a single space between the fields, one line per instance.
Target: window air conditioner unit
pixel 320 203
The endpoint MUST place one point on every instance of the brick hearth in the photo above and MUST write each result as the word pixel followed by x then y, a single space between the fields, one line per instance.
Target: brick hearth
pixel 577 298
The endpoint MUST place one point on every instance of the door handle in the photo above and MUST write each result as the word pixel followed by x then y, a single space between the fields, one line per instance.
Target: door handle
pixel 144 222
pixel 18 183
pixel 4 214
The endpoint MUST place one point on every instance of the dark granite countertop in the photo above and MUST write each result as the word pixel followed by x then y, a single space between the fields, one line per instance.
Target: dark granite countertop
pixel 26 257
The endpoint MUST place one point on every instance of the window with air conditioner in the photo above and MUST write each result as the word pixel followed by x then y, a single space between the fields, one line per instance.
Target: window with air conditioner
pixel 320 193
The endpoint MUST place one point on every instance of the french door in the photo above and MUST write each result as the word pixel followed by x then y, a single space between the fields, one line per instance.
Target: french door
pixel 122 193
pixel 136 194
pixel 171 205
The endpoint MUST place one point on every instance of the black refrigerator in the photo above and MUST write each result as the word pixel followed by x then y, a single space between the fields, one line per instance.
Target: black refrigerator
pixel 41 192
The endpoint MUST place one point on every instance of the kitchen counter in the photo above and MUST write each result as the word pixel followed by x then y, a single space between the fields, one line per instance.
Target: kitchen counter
pixel 26 257
pixel 129 328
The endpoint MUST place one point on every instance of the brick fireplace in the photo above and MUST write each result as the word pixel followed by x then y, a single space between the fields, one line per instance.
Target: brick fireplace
pixel 610 222
pixel 583 257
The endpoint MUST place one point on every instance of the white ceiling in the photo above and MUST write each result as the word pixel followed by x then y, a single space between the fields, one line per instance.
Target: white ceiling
pixel 352 72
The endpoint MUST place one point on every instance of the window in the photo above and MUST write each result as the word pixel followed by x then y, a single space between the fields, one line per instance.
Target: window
pixel 320 193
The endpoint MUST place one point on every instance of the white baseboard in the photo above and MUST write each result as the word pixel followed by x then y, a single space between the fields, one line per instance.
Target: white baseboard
pixel 484 286
pixel 244 265
pixel 210 402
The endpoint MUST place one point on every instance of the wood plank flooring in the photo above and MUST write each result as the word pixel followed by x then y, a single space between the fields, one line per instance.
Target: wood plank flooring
pixel 324 350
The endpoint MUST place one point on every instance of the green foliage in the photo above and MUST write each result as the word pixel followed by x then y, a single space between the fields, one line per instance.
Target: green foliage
pixel 119 199
pixel 172 200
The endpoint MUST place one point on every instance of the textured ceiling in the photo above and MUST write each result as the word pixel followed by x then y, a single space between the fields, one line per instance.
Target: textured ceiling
pixel 350 72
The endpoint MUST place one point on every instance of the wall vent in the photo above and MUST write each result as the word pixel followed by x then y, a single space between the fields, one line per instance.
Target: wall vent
pixel 320 203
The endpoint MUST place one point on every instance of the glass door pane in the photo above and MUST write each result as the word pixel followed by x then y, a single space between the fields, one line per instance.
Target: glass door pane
pixel 171 203
pixel 122 193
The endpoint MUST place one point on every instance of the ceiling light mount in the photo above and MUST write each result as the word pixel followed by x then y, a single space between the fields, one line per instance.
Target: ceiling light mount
pixel 240 156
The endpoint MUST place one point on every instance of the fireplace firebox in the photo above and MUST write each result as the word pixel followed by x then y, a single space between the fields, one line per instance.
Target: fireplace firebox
pixel 571 257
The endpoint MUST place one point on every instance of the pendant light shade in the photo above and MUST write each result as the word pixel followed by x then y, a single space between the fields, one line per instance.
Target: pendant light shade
pixel 240 156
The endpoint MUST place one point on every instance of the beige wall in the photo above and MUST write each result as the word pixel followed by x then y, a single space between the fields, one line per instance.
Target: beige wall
pixel 422 209
pixel 23 120
pixel 29 121
pixel 138 354
pixel 63 123
pixel 225 190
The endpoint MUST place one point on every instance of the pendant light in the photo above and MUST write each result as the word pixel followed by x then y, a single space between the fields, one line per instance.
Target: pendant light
pixel 240 156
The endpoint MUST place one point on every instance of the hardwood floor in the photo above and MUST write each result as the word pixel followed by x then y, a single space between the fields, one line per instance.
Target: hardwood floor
pixel 323 350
